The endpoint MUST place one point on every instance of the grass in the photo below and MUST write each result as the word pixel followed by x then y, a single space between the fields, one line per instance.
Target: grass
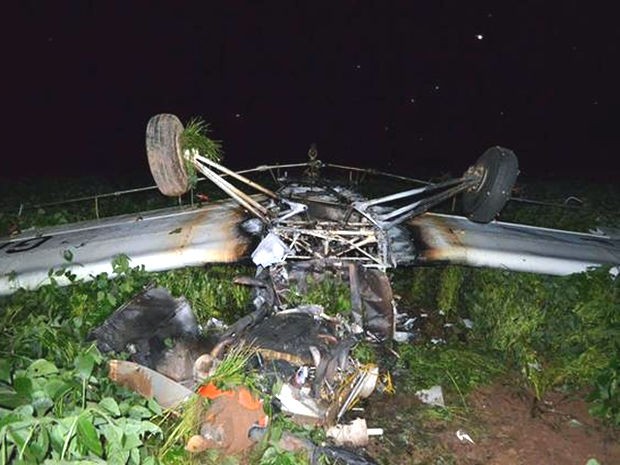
pixel 195 139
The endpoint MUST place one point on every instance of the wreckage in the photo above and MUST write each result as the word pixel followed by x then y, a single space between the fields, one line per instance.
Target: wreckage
pixel 305 229
pixel 306 218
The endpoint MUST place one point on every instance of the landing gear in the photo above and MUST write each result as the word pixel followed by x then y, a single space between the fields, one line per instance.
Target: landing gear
pixel 163 148
pixel 497 169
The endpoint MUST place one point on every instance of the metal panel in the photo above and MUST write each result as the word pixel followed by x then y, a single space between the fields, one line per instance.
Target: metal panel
pixel 159 240
pixel 454 239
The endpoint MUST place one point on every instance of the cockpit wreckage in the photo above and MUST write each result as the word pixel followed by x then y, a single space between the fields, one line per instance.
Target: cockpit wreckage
pixel 308 229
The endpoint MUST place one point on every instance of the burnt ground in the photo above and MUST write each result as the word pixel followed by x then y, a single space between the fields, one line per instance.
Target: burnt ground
pixel 498 418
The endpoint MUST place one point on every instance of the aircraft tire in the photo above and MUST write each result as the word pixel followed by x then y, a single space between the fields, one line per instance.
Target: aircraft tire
pixel 163 149
pixel 499 167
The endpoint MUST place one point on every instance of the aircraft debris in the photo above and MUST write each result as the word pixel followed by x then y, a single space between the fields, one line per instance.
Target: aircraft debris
pixel 432 396
pixel 355 433
pixel 301 349
pixel 148 383
pixel 227 422
pixel 158 332
pixel 308 229
pixel 464 437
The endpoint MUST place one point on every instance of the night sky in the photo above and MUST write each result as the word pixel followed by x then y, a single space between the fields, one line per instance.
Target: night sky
pixel 412 87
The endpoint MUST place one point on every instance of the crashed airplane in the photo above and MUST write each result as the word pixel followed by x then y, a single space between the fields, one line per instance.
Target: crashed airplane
pixel 308 227
pixel 306 218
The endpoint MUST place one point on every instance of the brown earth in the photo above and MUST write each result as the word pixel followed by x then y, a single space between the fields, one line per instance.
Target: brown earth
pixel 498 418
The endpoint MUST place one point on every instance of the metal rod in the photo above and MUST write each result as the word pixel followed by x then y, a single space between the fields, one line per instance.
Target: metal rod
pixel 377 172
pixel 412 192
pixel 426 204
pixel 237 176
pixel 250 204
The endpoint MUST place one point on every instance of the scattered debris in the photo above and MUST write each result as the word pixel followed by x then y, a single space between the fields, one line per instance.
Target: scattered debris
pixel 227 423
pixel 432 396
pixel 301 354
pixel 355 433
pixel 270 251
pixel 157 331
pixel 148 383
pixel 464 437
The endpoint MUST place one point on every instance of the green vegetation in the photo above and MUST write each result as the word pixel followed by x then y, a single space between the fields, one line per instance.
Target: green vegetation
pixel 557 332
pixel 71 413
pixel 329 291
pixel 195 138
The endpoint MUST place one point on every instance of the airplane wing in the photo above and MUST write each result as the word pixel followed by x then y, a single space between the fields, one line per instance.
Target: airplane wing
pixel 159 240
pixel 453 239
pixel 192 236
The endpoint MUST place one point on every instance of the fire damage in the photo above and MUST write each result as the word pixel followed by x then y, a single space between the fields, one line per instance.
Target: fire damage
pixel 302 357
pixel 309 230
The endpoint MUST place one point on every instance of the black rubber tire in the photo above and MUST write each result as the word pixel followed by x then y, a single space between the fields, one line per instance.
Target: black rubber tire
pixel 163 148
pixel 500 168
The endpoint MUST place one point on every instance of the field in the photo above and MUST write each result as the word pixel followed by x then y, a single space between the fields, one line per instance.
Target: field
pixel 534 379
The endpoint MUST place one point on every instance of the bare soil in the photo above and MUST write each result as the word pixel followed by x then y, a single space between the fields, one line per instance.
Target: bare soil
pixel 499 420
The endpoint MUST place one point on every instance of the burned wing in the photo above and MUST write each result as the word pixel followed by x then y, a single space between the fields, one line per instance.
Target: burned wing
pixel 454 239
pixel 158 240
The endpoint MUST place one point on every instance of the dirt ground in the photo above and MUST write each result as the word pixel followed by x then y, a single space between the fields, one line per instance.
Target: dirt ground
pixel 499 421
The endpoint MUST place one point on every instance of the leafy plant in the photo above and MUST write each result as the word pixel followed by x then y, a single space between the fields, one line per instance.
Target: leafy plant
pixel 605 397
pixel 558 331
pixel 455 367
pixel 195 139
pixel 450 283
pixel 330 291
pixel 51 413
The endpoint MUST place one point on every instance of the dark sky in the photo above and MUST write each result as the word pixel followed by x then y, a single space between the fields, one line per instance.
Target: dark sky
pixel 407 86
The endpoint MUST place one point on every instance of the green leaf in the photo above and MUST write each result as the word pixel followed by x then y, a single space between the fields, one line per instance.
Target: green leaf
pixel 56 388
pixel 88 436
pixel 110 406
pixel 149 427
pixel 134 456
pixel 118 457
pixel 8 419
pixel 40 446
pixel 57 436
pixel 84 364
pixel 11 399
pixel 5 370
pixel 154 407
pixel 23 386
pixel 131 441
pixel 18 436
pixel 111 299
pixel 41 367
pixel 139 412
pixel 41 403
